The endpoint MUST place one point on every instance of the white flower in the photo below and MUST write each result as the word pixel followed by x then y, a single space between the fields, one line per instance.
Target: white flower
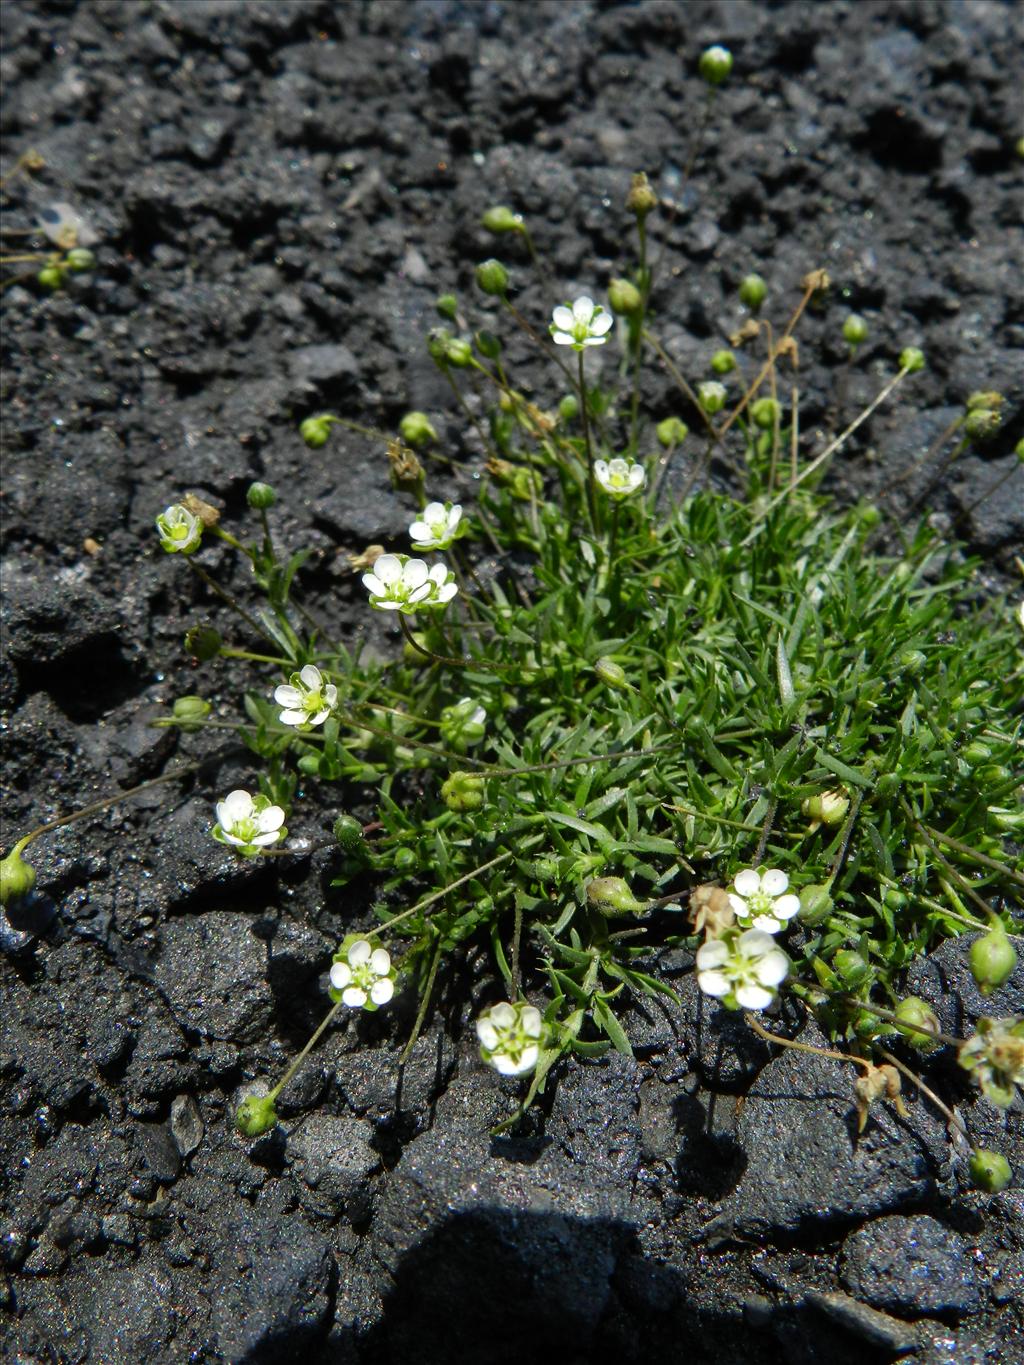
pixel 584 324
pixel 248 823
pixel 363 975
pixel 759 900
pixel 510 1037
pixel 180 530
pixel 437 526
pixel 742 972
pixel 619 478
pixel 307 699
pixel 399 583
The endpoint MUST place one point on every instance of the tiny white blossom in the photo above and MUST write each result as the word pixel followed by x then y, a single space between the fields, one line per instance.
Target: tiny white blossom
pixel 307 699
pixel 437 526
pixel 584 324
pixel 363 975
pixel 742 971
pixel 248 823
pixel 711 396
pixel 399 583
pixel 181 531
pixel 619 478
pixel 510 1037
pixel 760 900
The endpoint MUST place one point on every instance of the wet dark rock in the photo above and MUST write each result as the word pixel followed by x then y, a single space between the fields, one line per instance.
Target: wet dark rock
pixel 944 979
pixel 212 970
pixel 914 1267
pixel 868 1325
pixel 335 1160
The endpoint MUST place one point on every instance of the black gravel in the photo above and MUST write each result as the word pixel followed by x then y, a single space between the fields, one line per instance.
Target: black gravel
pixel 279 192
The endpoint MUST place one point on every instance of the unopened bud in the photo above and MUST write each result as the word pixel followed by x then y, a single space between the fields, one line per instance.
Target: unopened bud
pixel 624 297
pixel 349 833
pixel 569 407
pixel 612 675
pixel 671 432
pixel 463 791
pixel 447 305
pixel 315 430
pixel 502 219
pixel 992 959
pixel 260 496
pixel 417 429
pixel 765 412
pixel 723 362
pixel 488 344
pixel 641 199
pixel 914 1014
pixel 715 64
pixel 753 291
pixel 981 424
pixel 80 259
pixel 990 1170
pixel 255 1115
pixel 826 808
pixel 612 896
pixel 51 277
pixel 203 643
pixel 190 712
pixel 815 904
pixel 984 398
pixel 492 277
pixel 711 396
pixel 17 877
pixel 458 353
pixel 850 966
pixel 911 359
pixel 855 330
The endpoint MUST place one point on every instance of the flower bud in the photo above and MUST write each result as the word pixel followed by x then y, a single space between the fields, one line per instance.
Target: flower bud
pixel 447 305
pixel 624 297
pixel 612 675
pixel 463 792
pixel 815 904
pixel 896 899
pixel 612 896
pixel 715 64
pixel 990 1170
pixel 855 330
pixel 191 712
pixel 255 1115
pixel 753 291
pixel 992 958
pixel 671 432
pixel 488 345
pixel 404 859
pixel 492 277
pixel 80 259
pixel 723 362
pixel 260 496
pixel 51 277
pixel 17 877
pixel 458 353
pixel 985 399
pixel 765 412
pixel 417 429
pixel 913 661
pixel 569 407
pixel 309 764
pixel 502 219
pixel 315 430
pixel 414 656
pixel 981 424
pixel 919 1014
pixel 851 966
pixel 641 199
pixel 349 833
pixel 911 359
pixel 711 396
pixel 826 808
pixel 203 643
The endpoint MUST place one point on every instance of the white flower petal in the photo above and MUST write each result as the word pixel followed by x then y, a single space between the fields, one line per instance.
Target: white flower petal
pixel 382 604
pixel 421 593
pixel 747 883
pixel 414 574
pixel 354 996
pixel 380 961
pixel 532 1021
pixel 312 677
pixel 232 838
pixel 503 1015
pixel 755 943
pixel 528 1060
pixel 375 586
pixel 562 339
pixel 601 324
pixel 562 318
pixel 320 716
pixel 637 477
pixel 382 991
pixel 767 924
pixel 504 1064
pixel 387 568
pixel 713 983
pixel 439 574
pixel 774 882
pixel 292 717
pixel 330 694
pixel 270 819
pixel 446 593
pixel 286 695
pixel 583 309
pixel 601 468
pixel 419 530
pixel 712 954
pixel 454 516
pixel 786 906
pixel 773 968
pixel 487 1034
pixel 739 905
pixel 753 997
pixel 341 975
pixel 359 952
pixel 269 837
pixel 594 341
pixel 434 511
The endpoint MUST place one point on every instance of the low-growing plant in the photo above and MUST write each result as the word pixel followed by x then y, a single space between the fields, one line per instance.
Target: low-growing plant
pixel 633 711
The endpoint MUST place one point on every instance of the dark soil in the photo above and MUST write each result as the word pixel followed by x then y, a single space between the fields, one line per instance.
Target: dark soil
pixel 280 191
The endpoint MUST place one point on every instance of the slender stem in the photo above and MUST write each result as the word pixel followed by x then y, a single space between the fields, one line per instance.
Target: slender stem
pixel 517 934
pixel 305 1051
pixel 766 830
pixel 969 852
pixel 227 653
pixel 794 318
pixel 437 895
pixel 805 1047
pixel 484 438
pixel 844 844
pixel 215 587
pixel 96 806
pixel 534 336
pixel 884 1013
pixel 421 1015
pixel 964 885
pixel 591 499
pixel 954 1118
